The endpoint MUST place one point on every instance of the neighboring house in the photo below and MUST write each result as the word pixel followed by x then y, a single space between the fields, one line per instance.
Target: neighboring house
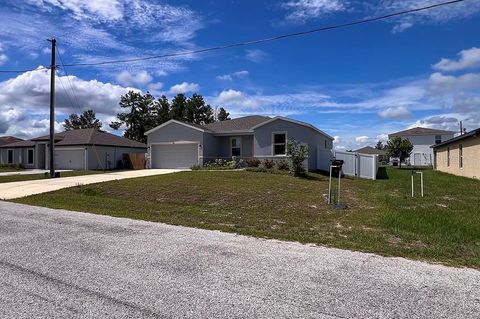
pixel 382 154
pixel 9 140
pixel 422 138
pixel 177 144
pixel 459 155
pixel 76 150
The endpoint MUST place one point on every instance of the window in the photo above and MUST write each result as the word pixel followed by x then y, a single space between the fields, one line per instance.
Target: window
pixel 438 139
pixel 448 156
pixel 30 157
pixel 279 143
pixel 460 155
pixel 325 143
pixel 10 157
pixel 235 146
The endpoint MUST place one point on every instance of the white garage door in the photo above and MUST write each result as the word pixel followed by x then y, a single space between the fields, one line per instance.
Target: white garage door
pixel 70 159
pixel 174 155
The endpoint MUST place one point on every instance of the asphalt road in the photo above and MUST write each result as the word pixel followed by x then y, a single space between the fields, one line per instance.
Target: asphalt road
pixel 59 264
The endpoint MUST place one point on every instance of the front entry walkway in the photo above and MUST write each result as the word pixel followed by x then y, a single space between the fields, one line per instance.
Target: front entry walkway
pixel 27 188
pixel 30 172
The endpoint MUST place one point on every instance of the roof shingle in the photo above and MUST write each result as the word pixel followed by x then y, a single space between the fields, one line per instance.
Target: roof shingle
pixel 421 131
pixel 245 123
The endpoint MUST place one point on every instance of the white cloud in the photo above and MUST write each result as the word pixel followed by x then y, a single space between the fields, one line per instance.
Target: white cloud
pixel 440 84
pixel 155 88
pixel 141 78
pixel 400 112
pixel 301 11
pixel 184 87
pixel 107 10
pixel 443 14
pixel 230 77
pixel 468 59
pixel 3 58
pixel 362 139
pixel 24 100
pixel 256 55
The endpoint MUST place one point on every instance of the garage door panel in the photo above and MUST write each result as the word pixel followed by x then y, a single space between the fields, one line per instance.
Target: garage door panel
pixel 174 155
pixel 70 159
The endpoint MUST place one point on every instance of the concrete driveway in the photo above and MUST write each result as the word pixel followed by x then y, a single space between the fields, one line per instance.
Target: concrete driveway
pixel 60 264
pixel 26 188
pixel 29 172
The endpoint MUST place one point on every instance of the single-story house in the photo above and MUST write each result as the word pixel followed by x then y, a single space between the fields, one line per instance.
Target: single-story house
pixel 422 138
pixel 459 155
pixel 74 150
pixel 177 144
pixel 4 140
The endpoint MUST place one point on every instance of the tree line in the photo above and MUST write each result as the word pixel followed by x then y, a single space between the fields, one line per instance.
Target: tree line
pixel 143 112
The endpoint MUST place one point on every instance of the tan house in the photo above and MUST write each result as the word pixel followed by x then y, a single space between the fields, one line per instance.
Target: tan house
pixel 460 155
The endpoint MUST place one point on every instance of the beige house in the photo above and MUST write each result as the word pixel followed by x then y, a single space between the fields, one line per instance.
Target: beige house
pixel 460 155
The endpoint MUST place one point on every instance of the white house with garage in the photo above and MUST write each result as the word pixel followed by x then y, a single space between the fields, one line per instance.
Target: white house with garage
pixel 422 139
pixel 74 150
pixel 177 144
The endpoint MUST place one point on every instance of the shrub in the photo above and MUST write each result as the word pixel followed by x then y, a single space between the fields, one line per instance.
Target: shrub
pixel 283 165
pixel 253 162
pixel 268 163
pixel 298 153
pixel 195 167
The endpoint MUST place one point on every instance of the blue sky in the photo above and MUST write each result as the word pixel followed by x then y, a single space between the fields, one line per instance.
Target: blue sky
pixel 357 84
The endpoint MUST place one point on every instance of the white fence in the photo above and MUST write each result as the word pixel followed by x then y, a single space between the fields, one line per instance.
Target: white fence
pixel 359 165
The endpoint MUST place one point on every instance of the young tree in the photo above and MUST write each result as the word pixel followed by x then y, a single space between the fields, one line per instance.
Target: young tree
pixel 223 115
pixel 87 119
pixel 298 153
pixel 398 147
pixel 380 146
pixel 139 116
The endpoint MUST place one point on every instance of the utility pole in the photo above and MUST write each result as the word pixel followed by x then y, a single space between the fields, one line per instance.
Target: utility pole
pixel 52 109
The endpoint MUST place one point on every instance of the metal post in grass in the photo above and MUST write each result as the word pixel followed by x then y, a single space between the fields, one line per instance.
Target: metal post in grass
pixel 413 192
pixel 421 182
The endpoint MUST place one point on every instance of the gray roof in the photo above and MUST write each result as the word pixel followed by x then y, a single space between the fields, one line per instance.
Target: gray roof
pixel 370 150
pixel 245 123
pixel 82 137
pixel 420 131
pixel 474 133
pixel 4 140
pixel 27 143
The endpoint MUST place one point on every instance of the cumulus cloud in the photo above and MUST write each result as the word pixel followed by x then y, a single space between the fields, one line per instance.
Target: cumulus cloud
pixel 24 100
pixel 140 78
pixel 256 55
pixel 441 84
pixel 184 87
pixel 399 112
pixel 468 59
pixel 300 11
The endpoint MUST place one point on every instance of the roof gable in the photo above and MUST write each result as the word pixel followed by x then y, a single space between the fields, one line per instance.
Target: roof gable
pixel 190 125
pixel 245 123
pixel 281 118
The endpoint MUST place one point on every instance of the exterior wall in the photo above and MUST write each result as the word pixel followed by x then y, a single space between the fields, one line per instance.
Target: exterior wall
pixel 108 157
pixel 222 147
pixel 263 140
pixel 471 158
pixel 174 133
pixel 17 156
pixel 421 145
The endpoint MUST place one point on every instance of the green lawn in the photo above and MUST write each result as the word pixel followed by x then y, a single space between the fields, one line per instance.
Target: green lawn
pixel 444 226
pixel 29 177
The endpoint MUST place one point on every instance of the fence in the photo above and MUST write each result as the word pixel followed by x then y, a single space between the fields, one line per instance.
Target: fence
pixel 359 165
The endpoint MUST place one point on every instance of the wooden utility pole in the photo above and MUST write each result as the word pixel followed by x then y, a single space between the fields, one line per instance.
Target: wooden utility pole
pixel 52 109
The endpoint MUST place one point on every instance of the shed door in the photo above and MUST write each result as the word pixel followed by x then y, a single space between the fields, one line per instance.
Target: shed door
pixel 72 159
pixel 417 159
pixel 174 155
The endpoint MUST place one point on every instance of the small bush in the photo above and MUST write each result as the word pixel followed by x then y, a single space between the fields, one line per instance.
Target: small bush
pixel 268 163
pixel 253 162
pixel 283 165
pixel 298 153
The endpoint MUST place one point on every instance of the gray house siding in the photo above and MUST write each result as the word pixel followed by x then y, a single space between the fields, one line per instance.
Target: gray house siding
pixel 223 146
pixel 263 139
pixel 108 157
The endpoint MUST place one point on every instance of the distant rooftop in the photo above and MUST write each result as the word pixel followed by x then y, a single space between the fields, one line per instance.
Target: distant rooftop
pixel 370 150
pixel 4 140
pixel 421 131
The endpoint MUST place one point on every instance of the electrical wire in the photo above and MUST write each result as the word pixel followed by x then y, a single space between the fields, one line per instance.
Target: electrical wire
pixel 253 42
pixel 78 107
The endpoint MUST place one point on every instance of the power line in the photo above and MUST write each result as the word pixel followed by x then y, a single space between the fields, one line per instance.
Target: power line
pixel 258 41
pixel 78 107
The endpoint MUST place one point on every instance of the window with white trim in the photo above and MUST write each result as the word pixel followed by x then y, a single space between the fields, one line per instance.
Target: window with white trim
pixel 236 146
pixel 9 156
pixel 30 156
pixel 279 143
